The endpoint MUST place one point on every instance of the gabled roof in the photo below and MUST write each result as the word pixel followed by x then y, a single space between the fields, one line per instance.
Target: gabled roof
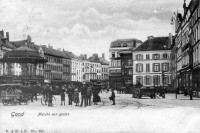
pixel 156 43
pixel 18 43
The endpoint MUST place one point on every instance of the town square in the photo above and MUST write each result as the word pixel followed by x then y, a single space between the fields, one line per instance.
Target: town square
pixel 113 66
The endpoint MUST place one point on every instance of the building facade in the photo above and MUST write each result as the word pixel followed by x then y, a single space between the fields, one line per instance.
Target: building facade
pixel 115 73
pixel 194 8
pixel 151 62
pixel 76 68
pixel 186 47
pixel 104 68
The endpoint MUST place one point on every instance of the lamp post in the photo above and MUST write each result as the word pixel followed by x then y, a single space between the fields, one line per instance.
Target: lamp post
pixel 163 77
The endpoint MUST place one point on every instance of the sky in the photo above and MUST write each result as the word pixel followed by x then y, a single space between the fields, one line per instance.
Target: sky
pixel 86 26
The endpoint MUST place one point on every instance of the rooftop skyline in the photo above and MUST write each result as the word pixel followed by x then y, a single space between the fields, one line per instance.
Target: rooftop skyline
pixel 87 26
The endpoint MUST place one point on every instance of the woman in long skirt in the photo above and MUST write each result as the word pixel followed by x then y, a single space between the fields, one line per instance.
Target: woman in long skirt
pixel 96 97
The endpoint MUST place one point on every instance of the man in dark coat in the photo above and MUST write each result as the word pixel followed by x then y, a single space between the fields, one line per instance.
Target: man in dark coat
pixel 89 95
pixel 50 96
pixel 62 94
pixel 112 97
pixel 70 94
pixel 83 95
pixel 191 93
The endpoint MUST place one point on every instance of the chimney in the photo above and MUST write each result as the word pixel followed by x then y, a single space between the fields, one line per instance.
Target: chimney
pixel 150 37
pixel 2 33
pixel 7 35
pixel 85 57
pixel 95 55
pixel 103 55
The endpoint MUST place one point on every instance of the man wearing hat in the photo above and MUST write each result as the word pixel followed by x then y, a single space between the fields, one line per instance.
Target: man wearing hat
pixel 70 94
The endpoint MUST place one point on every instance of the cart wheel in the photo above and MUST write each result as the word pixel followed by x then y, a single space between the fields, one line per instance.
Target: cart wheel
pixel 53 100
pixel 5 103
pixel 43 101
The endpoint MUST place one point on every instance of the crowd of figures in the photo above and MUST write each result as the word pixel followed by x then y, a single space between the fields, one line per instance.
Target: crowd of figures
pixel 89 94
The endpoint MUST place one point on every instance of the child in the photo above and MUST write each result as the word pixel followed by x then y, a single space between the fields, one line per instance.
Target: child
pixel 76 97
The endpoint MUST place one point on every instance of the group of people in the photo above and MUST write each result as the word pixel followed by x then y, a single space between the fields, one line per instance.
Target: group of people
pixel 87 92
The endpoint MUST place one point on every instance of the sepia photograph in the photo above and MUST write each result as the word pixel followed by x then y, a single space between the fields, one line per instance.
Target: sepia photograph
pixel 100 66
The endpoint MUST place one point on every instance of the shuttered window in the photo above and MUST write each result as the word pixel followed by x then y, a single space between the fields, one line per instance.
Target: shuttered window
pixel 156 56
pixel 165 67
pixel 147 67
pixel 139 67
pixel 156 80
pixel 147 80
pixel 156 67
pixel 139 79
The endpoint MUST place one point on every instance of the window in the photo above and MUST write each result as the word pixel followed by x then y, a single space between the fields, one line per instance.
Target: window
pixel 139 79
pixel 118 63
pixel 165 67
pixel 148 80
pixel 113 54
pixel 156 67
pixel 156 56
pixel 165 56
pixel 147 67
pixel 156 80
pixel 125 45
pixel 166 80
pixel 130 62
pixel 139 57
pixel 139 67
pixel 130 72
pixel 147 57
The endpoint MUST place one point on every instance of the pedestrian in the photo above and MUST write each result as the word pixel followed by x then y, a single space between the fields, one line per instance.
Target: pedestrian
pixel 62 94
pixel 185 91
pixel 191 93
pixel 50 96
pixel 36 87
pixel 83 95
pixel 96 97
pixel 76 97
pixel 70 95
pixel 89 95
pixel 112 97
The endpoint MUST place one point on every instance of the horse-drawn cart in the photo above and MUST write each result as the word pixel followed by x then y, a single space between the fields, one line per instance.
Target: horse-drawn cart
pixel 13 94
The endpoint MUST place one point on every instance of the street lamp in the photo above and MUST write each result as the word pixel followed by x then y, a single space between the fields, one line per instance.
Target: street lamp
pixel 163 77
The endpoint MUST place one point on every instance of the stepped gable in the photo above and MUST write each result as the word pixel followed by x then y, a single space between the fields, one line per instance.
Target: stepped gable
pixel 156 43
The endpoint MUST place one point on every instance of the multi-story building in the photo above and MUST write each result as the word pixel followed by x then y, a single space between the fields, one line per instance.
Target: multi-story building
pixel 76 68
pixel 186 47
pixel 151 62
pixel 194 8
pixel 104 68
pixel 95 67
pixel 66 66
pixel 54 66
pixel 115 73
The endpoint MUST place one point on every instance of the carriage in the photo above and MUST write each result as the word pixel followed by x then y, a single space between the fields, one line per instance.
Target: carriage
pixel 13 94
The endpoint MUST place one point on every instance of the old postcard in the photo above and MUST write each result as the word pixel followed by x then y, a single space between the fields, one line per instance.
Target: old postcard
pixel 103 66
